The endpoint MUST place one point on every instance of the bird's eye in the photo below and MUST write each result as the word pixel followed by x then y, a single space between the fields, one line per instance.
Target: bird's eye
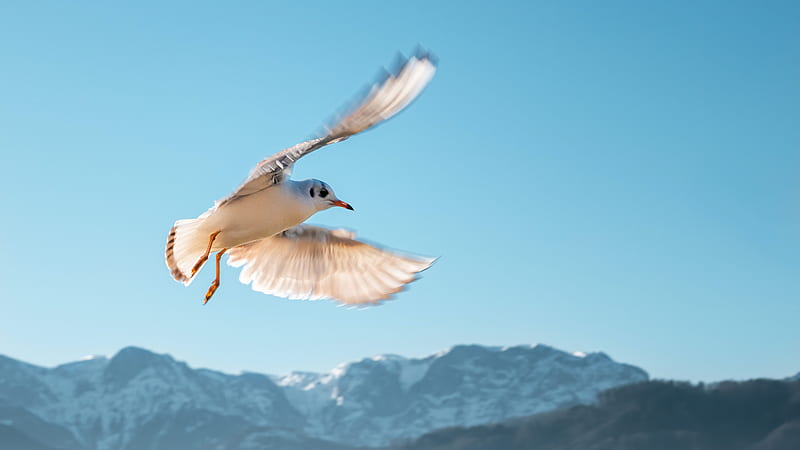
pixel 311 192
pixel 323 192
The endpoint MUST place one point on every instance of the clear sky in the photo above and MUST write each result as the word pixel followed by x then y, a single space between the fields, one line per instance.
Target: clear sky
pixel 612 176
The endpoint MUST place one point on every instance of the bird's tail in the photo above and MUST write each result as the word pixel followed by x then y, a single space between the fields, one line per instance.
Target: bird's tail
pixel 186 243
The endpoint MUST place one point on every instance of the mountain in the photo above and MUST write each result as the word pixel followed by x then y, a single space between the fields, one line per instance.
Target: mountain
pixel 139 399
pixel 11 438
pixel 381 399
pixel 142 400
pixel 656 415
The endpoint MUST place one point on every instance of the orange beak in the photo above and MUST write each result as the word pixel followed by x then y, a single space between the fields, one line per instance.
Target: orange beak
pixel 342 204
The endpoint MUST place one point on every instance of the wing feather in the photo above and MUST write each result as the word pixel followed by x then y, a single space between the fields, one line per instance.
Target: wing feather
pixel 385 99
pixel 311 263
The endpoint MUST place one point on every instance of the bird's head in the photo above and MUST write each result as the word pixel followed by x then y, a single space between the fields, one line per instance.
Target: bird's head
pixel 322 196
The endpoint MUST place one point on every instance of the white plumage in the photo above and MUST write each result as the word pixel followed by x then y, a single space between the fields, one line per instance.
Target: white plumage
pixel 308 262
pixel 258 224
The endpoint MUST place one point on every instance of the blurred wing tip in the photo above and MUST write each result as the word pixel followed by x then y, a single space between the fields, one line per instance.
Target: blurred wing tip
pixel 423 263
pixel 428 261
pixel 423 54
pixel 420 54
pixel 397 65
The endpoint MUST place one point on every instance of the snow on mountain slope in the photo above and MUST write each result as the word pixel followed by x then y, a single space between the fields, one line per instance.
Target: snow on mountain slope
pixel 384 398
pixel 138 395
pixel 142 400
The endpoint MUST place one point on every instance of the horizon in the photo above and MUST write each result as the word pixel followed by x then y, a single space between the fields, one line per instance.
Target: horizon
pixel 377 357
pixel 380 356
pixel 616 177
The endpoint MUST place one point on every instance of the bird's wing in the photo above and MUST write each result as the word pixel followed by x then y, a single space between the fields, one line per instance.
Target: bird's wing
pixel 382 101
pixel 311 263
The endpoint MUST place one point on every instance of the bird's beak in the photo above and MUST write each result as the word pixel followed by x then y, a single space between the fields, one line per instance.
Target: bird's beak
pixel 342 204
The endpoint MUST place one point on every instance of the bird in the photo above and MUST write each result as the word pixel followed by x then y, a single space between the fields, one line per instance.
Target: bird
pixel 261 224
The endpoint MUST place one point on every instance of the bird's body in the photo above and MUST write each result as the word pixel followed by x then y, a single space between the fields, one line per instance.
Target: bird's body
pixel 259 215
pixel 260 224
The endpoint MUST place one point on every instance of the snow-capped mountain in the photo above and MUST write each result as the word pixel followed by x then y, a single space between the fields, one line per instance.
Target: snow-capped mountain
pixel 139 399
pixel 384 398
pixel 142 400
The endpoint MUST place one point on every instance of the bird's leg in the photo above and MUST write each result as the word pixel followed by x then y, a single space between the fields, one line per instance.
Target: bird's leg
pixel 204 258
pixel 215 284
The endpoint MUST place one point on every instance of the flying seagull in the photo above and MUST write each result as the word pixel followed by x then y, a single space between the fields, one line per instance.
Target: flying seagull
pixel 260 224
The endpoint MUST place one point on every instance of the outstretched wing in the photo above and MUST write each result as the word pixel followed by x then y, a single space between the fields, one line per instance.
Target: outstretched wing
pixel 385 99
pixel 311 263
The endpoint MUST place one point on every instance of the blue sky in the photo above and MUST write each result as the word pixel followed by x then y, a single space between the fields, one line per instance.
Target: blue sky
pixel 619 177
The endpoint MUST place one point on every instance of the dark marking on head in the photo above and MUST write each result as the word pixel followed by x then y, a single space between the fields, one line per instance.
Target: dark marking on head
pixel 311 192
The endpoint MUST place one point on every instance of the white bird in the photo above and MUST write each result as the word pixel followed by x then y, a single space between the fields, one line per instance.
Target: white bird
pixel 260 224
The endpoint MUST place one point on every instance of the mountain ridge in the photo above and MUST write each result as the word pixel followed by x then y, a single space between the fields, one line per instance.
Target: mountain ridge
pixel 760 414
pixel 139 399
